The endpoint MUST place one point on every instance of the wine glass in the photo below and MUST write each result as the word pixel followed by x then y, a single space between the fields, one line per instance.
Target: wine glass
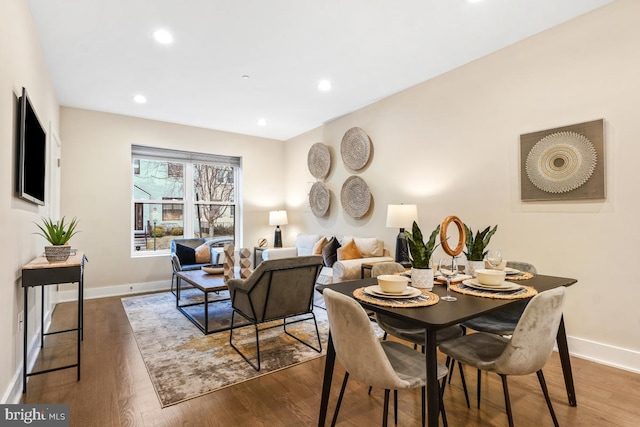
pixel 449 269
pixel 494 258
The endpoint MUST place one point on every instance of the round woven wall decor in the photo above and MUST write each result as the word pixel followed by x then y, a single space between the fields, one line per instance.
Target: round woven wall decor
pixel 561 162
pixel 355 148
pixel 319 160
pixel 319 199
pixel 355 197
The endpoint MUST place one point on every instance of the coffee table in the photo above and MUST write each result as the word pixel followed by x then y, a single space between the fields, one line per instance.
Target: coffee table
pixel 206 283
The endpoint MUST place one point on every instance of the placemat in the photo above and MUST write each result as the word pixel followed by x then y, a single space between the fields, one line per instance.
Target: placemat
pixel 524 292
pixel 427 298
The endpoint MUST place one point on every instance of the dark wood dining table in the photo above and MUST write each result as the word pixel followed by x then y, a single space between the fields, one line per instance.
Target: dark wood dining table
pixel 440 316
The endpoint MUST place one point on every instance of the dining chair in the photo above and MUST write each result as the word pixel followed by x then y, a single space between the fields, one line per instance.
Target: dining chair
pixel 502 321
pixel 410 332
pixel 385 364
pixel 526 352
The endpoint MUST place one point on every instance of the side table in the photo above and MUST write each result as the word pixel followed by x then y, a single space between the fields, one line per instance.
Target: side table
pixel 40 272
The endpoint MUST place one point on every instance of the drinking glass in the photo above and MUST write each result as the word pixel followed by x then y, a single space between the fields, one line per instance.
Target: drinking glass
pixel 494 258
pixel 449 269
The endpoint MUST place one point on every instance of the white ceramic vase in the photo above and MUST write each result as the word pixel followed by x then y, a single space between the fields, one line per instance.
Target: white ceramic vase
pixel 422 278
pixel 472 266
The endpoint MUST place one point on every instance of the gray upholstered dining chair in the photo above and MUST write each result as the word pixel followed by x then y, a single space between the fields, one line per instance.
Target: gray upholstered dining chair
pixel 502 321
pixel 526 352
pixel 276 290
pixel 388 364
pixel 409 332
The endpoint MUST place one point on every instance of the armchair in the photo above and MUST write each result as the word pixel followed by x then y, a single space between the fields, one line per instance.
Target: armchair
pixel 277 289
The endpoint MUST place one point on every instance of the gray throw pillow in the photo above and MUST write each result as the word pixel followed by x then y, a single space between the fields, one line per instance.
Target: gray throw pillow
pixel 330 252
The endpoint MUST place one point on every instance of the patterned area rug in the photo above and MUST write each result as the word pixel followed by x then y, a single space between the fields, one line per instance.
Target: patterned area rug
pixel 183 363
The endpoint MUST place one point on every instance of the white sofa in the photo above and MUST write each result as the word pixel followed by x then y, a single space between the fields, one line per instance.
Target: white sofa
pixel 372 250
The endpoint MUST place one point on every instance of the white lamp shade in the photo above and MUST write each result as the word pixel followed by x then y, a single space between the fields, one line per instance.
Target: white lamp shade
pixel 401 216
pixel 278 218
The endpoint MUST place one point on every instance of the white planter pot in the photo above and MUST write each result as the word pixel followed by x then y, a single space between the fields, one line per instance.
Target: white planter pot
pixel 472 266
pixel 422 278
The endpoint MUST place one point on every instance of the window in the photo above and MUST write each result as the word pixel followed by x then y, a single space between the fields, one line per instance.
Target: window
pixel 179 194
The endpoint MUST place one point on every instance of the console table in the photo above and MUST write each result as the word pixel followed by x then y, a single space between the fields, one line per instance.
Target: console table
pixel 40 272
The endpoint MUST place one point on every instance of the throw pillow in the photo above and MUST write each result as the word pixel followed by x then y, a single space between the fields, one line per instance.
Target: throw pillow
pixel 305 243
pixel 349 251
pixel 186 254
pixel 203 254
pixel 368 246
pixel 329 252
pixel 317 248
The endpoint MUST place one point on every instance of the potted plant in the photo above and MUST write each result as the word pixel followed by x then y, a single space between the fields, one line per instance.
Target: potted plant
pixel 476 247
pixel 421 252
pixel 58 234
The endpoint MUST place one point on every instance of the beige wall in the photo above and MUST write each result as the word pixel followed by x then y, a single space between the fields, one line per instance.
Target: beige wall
pixel 21 64
pixel 96 187
pixel 451 145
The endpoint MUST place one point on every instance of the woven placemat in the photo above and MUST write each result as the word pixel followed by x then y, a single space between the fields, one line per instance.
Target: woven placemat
pixel 524 276
pixel 524 292
pixel 427 298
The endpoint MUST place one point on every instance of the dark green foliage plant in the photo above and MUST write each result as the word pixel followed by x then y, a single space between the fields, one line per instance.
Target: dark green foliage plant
pixel 420 251
pixel 476 246
pixel 57 233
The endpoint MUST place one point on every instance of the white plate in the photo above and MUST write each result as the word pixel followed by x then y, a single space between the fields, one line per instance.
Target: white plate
pixel 510 270
pixel 409 292
pixel 505 286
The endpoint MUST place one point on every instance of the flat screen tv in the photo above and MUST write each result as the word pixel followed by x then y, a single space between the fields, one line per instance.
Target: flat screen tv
pixel 31 153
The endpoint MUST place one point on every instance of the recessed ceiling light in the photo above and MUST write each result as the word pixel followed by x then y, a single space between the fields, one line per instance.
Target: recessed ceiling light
pixel 163 36
pixel 140 99
pixel 262 122
pixel 324 85
pixel 474 1
pixel 245 77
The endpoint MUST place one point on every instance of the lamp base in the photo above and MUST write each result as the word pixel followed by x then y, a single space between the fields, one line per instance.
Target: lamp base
pixel 277 238
pixel 402 250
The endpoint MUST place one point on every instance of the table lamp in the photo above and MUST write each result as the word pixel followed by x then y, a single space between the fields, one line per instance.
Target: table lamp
pixel 278 218
pixel 400 216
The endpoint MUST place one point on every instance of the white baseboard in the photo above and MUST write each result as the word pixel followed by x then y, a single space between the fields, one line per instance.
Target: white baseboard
pixel 617 357
pixel 113 291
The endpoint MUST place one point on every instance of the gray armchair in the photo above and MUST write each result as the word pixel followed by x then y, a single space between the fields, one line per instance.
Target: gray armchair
pixel 277 289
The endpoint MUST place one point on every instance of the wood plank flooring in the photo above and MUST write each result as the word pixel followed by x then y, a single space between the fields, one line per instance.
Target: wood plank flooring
pixel 115 389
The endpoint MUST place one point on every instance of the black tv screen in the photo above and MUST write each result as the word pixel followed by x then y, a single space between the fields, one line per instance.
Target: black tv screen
pixel 32 153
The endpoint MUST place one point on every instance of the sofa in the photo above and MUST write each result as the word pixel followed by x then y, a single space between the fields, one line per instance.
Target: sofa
pixel 195 252
pixel 339 266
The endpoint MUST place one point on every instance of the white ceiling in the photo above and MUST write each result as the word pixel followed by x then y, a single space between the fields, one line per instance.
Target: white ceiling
pixel 101 53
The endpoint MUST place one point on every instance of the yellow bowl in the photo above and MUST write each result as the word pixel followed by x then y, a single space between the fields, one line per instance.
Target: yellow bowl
pixel 490 277
pixel 392 284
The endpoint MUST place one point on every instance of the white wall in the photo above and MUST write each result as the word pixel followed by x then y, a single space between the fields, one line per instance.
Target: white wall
pixel 451 145
pixel 96 188
pixel 22 64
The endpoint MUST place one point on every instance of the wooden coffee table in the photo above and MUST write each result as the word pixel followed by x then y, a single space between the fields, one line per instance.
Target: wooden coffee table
pixel 206 283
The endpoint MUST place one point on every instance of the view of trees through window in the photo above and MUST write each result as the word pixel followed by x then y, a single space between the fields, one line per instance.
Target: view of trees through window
pixel 174 199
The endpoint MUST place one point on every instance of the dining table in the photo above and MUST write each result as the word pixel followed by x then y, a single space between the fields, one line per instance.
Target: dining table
pixel 438 316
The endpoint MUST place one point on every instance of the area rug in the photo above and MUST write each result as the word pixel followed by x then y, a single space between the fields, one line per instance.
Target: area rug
pixel 183 363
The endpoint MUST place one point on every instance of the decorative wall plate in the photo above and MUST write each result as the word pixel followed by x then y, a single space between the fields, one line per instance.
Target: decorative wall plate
pixel 355 197
pixel 561 162
pixel 319 199
pixel 319 160
pixel 355 148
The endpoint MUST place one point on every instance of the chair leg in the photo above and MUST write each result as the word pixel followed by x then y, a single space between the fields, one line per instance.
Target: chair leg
pixel 385 410
pixel 370 388
pixel 424 405
pixel 464 384
pixel 395 407
pixel 479 386
pixel 313 316
pixel 344 386
pixel 254 366
pixel 442 411
pixel 543 385
pixel 507 402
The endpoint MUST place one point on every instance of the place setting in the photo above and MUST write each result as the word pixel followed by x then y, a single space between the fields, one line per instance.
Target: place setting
pixel 394 291
pixel 494 282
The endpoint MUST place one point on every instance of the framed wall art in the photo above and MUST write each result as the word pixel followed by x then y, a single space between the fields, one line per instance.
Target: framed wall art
pixel 565 163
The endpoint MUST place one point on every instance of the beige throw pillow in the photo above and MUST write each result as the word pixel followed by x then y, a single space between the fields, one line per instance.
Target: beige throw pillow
pixel 203 254
pixel 317 248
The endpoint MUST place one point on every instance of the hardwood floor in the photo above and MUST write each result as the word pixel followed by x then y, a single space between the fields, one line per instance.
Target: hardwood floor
pixel 115 389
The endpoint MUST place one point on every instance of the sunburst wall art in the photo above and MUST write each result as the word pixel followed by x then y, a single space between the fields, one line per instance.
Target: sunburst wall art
pixel 565 163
